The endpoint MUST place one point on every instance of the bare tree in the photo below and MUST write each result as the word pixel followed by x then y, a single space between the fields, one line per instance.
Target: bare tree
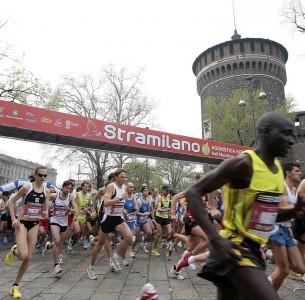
pixel 294 13
pixel 115 96
pixel 177 174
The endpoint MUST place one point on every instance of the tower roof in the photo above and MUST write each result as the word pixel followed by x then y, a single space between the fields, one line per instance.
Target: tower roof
pixel 283 49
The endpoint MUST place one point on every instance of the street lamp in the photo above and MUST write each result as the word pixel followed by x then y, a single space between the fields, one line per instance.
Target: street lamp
pixel 242 103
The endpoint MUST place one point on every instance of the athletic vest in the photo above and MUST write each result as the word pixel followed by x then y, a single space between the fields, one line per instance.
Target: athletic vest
pixel 251 212
pixel 32 204
pixel 130 207
pixel 60 213
pixel 84 201
pixel 144 207
pixel 165 203
pixel 292 199
pixel 117 208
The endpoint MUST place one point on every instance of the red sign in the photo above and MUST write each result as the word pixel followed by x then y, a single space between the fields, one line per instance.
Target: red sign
pixel 63 124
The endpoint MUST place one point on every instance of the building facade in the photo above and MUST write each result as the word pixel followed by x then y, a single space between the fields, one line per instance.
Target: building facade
pixel 13 168
pixel 237 64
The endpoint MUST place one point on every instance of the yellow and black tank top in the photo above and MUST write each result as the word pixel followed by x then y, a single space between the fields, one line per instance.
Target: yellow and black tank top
pixel 164 203
pixel 84 201
pixel 251 212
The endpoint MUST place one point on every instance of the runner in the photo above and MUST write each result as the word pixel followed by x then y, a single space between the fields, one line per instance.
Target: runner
pixel 81 205
pixel 113 221
pixel 61 202
pixel 131 206
pixel 253 186
pixel 144 210
pixel 163 219
pixel 285 252
pixel 34 204
pixel 4 217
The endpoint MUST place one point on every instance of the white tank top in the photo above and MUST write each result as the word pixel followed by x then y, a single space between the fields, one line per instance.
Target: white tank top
pixel 60 214
pixel 292 199
pixel 117 208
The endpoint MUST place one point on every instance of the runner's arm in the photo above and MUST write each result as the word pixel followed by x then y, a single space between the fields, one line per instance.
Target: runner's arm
pixel 13 200
pixel 228 171
pixel 176 199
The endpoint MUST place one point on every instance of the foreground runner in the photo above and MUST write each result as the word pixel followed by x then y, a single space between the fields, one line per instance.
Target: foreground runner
pixel 34 204
pixel 253 186
pixel 113 221
pixel 59 221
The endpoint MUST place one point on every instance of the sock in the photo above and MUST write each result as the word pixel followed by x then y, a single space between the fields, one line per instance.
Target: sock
pixel 55 265
pixel 191 260
pixel 269 279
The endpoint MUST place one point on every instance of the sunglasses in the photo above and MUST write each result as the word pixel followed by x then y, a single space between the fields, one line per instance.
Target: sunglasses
pixel 42 175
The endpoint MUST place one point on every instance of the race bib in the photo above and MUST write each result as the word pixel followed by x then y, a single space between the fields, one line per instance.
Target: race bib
pixel 131 217
pixel 60 211
pixel 31 211
pixel 117 209
pixel 142 218
pixel 263 214
pixel 82 211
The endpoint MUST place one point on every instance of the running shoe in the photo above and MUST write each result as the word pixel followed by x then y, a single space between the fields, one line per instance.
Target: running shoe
pixel 85 244
pixel 148 292
pixel 118 261
pixel 61 259
pixel 193 267
pixel 57 269
pixel 294 275
pixel 15 292
pixel 10 257
pixel 145 248
pixel 183 262
pixel 91 240
pixel 113 266
pixel 91 272
pixel 155 252
pixel 46 248
pixel 70 246
pixel 170 250
pixel 38 248
pixel 178 275
pixel 132 253
pixel 125 262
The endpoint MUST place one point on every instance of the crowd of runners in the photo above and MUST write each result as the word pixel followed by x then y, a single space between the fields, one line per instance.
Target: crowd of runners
pixel 248 210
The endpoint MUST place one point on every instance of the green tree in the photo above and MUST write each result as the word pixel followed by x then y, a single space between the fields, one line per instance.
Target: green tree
pixel 139 172
pixel 21 86
pixel 233 123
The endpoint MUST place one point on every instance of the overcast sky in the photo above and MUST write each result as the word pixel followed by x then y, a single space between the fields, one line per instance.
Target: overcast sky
pixel 162 36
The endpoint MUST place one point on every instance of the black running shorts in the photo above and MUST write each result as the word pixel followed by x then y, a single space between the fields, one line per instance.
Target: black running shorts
pixel 109 223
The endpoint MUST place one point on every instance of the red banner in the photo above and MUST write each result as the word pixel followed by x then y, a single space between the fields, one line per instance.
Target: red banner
pixel 63 124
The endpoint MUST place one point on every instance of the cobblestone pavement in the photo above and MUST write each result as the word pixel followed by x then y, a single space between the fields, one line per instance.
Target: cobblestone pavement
pixel 39 282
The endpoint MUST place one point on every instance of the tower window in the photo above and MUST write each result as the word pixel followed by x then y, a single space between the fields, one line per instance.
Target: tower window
pixel 242 47
pixel 231 48
pixel 252 46
pixel 221 51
